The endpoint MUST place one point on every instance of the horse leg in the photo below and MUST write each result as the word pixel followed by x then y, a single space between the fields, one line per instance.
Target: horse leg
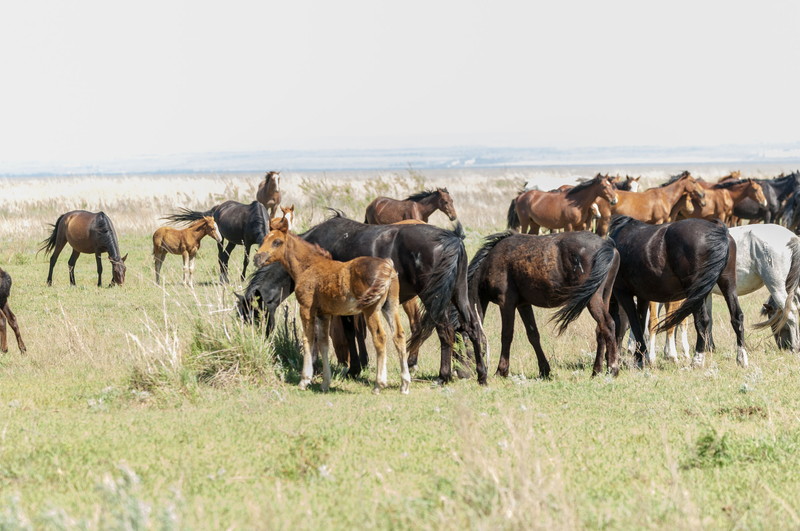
pixel 528 319
pixel 244 265
pixel 412 311
pixel 605 334
pixel 12 320
pixel 534 228
pixel 391 313
pixel 71 263
pixel 728 289
pixel 651 326
pixel 349 331
pixel 323 326
pixel 446 337
pixel 3 338
pixel 630 310
pixel 701 320
pixel 339 340
pixel 223 256
pixel 158 259
pixel 191 270
pixel 360 328
pixel 378 334
pixel 308 321
pixel 507 316
pixel 185 256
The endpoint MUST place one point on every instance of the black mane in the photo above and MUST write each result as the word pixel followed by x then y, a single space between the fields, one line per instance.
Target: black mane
pixel 108 235
pixel 419 196
pixel 728 184
pixel 585 184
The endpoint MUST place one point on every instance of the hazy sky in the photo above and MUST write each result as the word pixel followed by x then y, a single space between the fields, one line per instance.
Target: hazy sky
pixel 82 81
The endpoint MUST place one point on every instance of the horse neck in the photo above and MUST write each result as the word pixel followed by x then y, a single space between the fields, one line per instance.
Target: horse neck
pixel 672 192
pixel 112 244
pixel 738 192
pixel 427 206
pixel 197 231
pixel 586 196
pixel 299 255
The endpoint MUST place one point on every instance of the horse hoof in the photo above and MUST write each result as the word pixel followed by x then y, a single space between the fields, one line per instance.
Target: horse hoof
pixel 304 384
pixel 376 390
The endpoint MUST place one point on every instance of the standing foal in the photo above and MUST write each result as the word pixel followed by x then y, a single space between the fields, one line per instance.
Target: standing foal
pixel 185 242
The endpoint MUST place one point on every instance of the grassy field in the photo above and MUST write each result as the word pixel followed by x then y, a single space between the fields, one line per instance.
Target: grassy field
pixel 153 407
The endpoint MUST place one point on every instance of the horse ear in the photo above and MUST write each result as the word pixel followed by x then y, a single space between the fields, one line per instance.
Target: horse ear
pixel 239 297
pixel 125 257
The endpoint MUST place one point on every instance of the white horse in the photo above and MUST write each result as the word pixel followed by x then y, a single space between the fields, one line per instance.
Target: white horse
pixel 766 255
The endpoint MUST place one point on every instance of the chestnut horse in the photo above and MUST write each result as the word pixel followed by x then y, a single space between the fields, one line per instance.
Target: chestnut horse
pixel 325 287
pixel 185 242
pixel 654 205
pixel 86 232
pixel 7 315
pixel 722 198
pixel 269 192
pixel 566 210
pixel 385 210
pixel 679 260
pixel 574 270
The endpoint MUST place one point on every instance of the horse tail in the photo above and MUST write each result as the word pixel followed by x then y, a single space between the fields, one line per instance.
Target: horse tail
pixel 49 243
pixel 704 279
pixel 380 285
pixel 440 284
pixel 512 217
pixel 185 215
pixel 578 296
pixel 778 321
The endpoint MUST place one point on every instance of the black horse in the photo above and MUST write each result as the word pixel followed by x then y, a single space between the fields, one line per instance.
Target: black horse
pixel 776 191
pixel 431 263
pixel 238 223
pixel 572 270
pixel 669 262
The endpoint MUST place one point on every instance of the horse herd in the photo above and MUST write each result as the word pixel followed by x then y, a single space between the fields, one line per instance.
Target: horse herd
pixel 663 245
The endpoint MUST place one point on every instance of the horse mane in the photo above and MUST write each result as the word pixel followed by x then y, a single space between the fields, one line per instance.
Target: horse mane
pixel 618 221
pixel 585 184
pixel 419 196
pixel 674 178
pixel 483 252
pixel 729 184
pixel 320 251
pixel 258 219
pixel 108 234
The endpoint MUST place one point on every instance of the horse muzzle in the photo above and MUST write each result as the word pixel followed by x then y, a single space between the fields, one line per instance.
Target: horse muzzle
pixel 614 200
pixel 260 259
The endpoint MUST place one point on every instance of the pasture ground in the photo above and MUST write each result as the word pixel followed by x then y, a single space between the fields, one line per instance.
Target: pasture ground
pixel 152 407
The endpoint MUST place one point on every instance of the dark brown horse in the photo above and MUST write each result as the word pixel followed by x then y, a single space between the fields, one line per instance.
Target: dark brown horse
pixel 673 261
pixel 90 233
pixel 566 210
pixel 385 210
pixel 7 315
pixel 269 192
pixel 574 270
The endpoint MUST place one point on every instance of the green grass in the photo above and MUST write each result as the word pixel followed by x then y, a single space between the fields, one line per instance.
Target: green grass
pixel 151 407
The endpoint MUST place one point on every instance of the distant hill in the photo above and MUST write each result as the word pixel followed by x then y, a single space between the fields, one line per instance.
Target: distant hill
pixel 422 158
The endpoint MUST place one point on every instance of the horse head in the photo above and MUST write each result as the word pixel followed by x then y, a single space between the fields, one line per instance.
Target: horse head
pixel 118 270
pixel 288 213
pixel 445 203
pixel 632 183
pixel 756 193
pixel 210 228
pixel 607 189
pixel 693 188
pixel 274 245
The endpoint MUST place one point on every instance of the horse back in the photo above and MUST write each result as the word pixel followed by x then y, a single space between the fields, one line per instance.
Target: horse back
pixel 81 229
pixel 385 210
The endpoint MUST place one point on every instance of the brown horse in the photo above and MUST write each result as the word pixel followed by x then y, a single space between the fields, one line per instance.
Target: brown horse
pixel 86 232
pixel 722 198
pixel 654 205
pixel 7 315
pixel 269 192
pixel 185 242
pixel 325 288
pixel 568 210
pixel 385 210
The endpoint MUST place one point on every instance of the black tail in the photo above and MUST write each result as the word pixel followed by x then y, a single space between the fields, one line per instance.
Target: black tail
pixel 579 296
pixel 48 244
pixel 184 215
pixel 440 284
pixel 703 280
pixel 512 217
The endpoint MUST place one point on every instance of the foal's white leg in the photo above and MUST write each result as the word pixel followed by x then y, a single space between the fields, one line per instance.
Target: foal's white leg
pixel 399 339
pixel 185 268
pixel 685 339
pixel 191 270
pixel 378 334
pixel 741 357
pixel 323 329
pixel 308 344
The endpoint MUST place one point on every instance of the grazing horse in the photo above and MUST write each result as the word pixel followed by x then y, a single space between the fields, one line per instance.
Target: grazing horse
pixel 269 192
pixel 7 315
pixel 385 210
pixel 86 232
pixel 325 287
pixel 679 260
pixel 721 199
pixel 566 210
pixel 185 242
pixel 766 255
pixel 654 205
pixel 238 223
pixel 573 270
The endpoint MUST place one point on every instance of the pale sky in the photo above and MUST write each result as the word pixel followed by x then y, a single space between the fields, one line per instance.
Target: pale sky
pixel 83 80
